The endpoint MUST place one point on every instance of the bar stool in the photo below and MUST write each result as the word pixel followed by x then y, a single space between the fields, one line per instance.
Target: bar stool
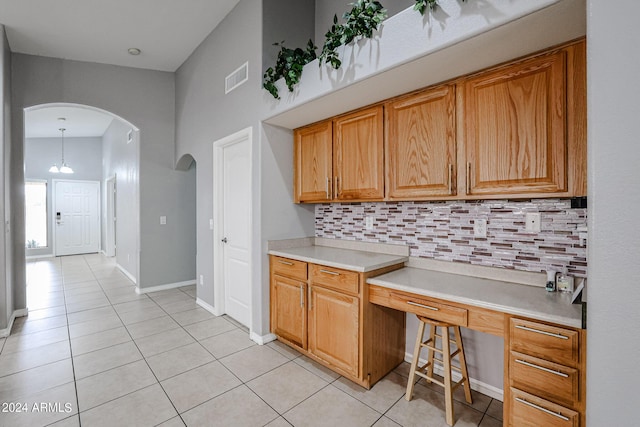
pixel 426 371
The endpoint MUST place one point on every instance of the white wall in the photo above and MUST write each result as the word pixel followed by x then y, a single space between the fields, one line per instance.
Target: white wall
pixel 613 67
pixel 84 155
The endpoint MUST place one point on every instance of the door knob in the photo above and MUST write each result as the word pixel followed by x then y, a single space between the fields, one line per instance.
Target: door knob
pixel 224 240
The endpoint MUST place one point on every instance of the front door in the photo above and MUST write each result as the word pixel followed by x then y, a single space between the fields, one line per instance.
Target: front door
pixel 76 217
pixel 233 157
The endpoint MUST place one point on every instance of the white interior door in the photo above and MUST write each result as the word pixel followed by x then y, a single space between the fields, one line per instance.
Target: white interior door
pixel 233 207
pixel 76 217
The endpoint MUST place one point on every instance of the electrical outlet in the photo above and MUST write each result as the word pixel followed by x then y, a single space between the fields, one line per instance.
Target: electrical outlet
pixel 368 223
pixel 480 227
pixel 532 222
pixel 163 220
pixel 201 279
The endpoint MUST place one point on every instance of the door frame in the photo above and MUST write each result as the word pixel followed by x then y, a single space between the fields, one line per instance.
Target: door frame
pixel 244 135
pixel 110 233
pixel 53 212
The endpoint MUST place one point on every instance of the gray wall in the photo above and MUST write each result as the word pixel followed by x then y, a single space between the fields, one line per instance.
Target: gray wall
pixel 325 9
pixel 288 20
pixel 204 115
pixel 84 155
pixel 144 98
pixel 7 292
pixel 120 159
pixel 614 202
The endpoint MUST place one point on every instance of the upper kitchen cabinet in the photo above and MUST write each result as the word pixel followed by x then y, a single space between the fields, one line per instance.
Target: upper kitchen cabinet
pixel 517 130
pixel 358 155
pixel 313 158
pixel 421 145
pixel 521 128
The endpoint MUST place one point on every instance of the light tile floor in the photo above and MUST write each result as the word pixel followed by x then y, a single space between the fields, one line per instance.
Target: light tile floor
pixel 94 353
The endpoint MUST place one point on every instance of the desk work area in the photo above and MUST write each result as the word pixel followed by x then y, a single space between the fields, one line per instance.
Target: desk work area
pixel 347 309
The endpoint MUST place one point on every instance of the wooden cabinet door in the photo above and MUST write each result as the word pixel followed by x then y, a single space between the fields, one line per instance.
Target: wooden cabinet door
pixel 515 128
pixel 420 149
pixel 288 310
pixel 333 328
pixel 358 154
pixel 313 163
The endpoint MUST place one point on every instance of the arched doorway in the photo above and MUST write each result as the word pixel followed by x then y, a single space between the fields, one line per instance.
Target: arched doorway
pixel 100 147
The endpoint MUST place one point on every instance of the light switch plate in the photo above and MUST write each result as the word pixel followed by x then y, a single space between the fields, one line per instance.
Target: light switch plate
pixel 368 223
pixel 480 227
pixel 163 220
pixel 532 222
pixel 210 223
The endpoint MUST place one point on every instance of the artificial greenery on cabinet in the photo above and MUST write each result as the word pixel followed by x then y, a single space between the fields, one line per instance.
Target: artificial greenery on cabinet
pixel 360 22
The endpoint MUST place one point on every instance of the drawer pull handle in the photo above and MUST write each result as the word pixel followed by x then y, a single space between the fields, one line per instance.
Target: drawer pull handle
pixel 285 262
pixel 537 331
pixel 301 295
pixel 333 273
pixel 540 408
pixel 423 306
pixel 542 368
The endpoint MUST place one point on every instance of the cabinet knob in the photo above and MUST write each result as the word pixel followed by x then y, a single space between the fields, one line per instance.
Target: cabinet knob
pixel 224 240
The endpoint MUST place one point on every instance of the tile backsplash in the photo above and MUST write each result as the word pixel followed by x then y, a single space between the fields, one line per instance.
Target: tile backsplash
pixel 444 231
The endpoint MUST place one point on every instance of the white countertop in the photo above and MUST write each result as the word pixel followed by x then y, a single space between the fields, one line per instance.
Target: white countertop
pixel 347 259
pixel 522 300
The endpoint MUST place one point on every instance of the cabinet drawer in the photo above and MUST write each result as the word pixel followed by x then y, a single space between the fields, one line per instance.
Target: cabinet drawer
pixel 549 380
pixel 334 278
pixel 552 343
pixel 530 411
pixel 289 268
pixel 431 309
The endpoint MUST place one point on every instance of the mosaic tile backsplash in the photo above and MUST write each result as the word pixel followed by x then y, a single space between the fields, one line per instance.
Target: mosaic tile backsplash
pixel 444 231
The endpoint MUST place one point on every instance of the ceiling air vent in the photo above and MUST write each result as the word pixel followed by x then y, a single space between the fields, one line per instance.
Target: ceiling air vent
pixel 236 78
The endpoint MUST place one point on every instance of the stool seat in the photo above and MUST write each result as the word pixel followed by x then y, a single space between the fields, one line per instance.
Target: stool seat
pixel 426 371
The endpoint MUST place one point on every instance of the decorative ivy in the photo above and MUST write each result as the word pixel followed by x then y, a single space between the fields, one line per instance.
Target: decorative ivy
pixel 362 20
pixel 289 65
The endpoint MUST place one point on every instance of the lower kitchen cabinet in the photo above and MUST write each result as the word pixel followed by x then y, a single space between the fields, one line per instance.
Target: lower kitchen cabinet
pixel 325 313
pixel 289 316
pixel 334 328
pixel 545 374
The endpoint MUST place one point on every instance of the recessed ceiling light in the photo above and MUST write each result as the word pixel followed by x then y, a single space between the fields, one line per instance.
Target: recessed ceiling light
pixel 134 51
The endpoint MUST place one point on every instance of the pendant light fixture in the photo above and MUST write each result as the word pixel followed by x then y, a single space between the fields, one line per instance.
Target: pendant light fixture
pixel 64 168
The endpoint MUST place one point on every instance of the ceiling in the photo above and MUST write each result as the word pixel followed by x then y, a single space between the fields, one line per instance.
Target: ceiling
pixel 80 122
pixel 166 31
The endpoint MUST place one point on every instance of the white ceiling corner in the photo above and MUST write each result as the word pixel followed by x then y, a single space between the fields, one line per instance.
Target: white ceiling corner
pixel 166 31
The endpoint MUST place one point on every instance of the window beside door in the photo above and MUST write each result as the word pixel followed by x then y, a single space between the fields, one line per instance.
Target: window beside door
pixel 36 214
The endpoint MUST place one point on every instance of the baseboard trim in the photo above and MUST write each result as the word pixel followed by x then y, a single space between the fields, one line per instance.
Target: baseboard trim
pixel 479 386
pixel 16 313
pixel 39 256
pixel 129 275
pixel 168 286
pixel 211 309
pixel 261 339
